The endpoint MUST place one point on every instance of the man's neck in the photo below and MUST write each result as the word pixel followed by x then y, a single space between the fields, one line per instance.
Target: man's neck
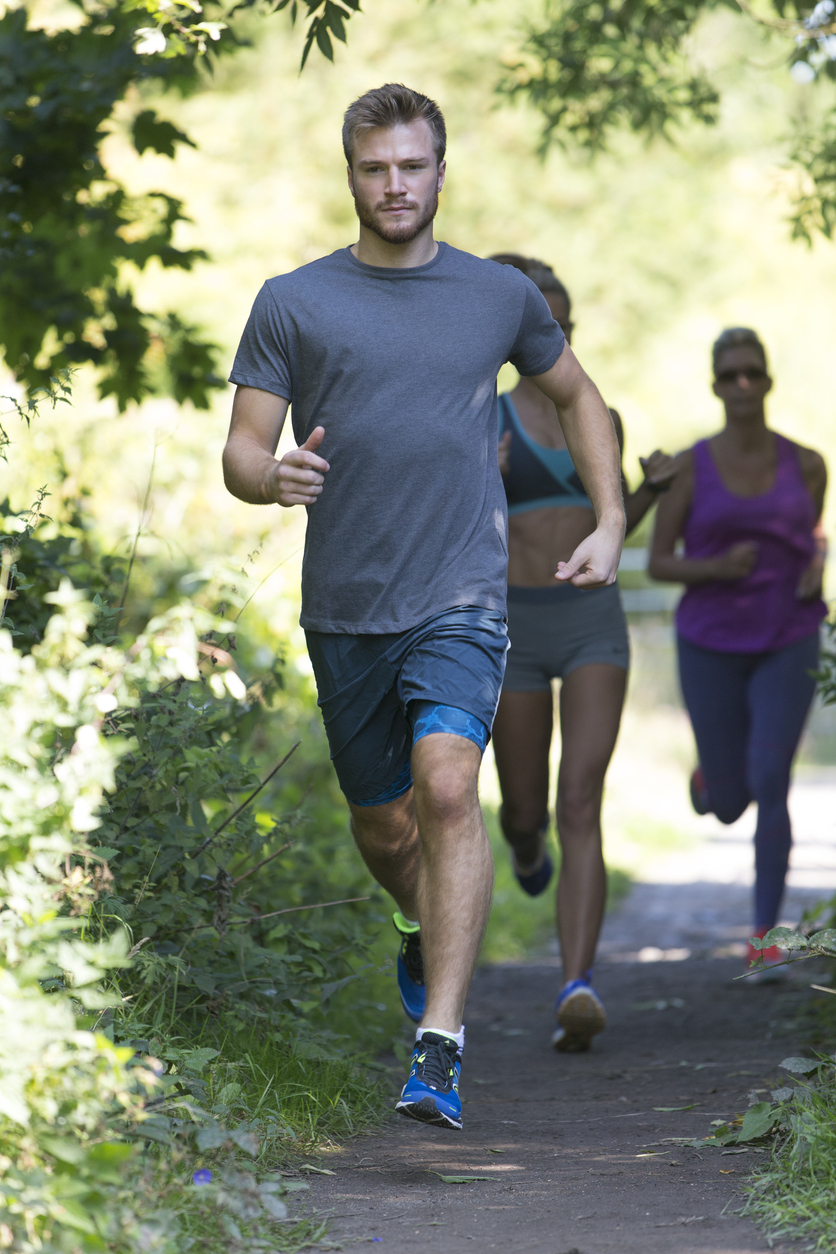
pixel 374 251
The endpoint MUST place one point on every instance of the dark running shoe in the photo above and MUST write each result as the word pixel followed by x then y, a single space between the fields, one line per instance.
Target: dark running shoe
pixel 538 881
pixel 431 1092
pixel 410 968
pixel 699 792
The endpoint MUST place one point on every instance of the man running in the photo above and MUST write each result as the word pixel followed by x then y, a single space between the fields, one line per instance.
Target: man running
pixel 389 352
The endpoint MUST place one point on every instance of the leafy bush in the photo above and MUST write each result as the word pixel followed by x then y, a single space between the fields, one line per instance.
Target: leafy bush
pixel 65 1093
pixel 165 977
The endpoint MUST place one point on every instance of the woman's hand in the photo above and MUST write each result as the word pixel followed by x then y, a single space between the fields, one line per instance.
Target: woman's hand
pixel 810 583
pixel 659 471
pixel 737 562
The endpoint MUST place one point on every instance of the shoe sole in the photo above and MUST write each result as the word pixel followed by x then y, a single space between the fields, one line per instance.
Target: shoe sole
pixel 579 1018
pixel 415 1016
pixel 426 1111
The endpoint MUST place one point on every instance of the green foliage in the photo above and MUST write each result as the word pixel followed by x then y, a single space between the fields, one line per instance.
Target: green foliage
pixel 70 228
pixel 327 18
pixel 815 206
pixel 65 1093
pixel 794 1196
pixel 592 69
pixel 595 67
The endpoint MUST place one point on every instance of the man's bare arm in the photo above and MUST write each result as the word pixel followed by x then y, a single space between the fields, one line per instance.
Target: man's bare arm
pixel 251 471
pixel 591 440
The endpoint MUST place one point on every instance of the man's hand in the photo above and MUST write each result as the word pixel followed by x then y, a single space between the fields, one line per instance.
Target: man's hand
pixel 299 476
pixel 594 563
pixel 251 471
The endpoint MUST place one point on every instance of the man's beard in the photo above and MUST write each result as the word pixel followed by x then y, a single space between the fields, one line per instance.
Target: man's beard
pixel 397 232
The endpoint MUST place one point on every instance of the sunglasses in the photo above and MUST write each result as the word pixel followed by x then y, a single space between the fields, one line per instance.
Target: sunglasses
pixel 752 374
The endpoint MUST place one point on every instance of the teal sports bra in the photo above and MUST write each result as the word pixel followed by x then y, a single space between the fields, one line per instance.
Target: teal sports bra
pixel 538 477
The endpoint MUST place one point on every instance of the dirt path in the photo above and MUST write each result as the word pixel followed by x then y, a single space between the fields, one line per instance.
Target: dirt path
pixel 561 1138
pixel 573 1148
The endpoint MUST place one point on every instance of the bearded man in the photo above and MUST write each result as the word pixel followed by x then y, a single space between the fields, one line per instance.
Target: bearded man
pixel 388 351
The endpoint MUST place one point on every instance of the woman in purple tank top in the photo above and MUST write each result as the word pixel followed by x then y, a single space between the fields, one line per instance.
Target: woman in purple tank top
pixel 747 504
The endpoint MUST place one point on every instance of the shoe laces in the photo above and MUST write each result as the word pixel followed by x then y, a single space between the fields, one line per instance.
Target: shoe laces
pixel 412 957
pixel 436 1062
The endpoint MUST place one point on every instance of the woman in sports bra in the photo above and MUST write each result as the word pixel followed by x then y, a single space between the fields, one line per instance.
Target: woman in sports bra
pixel 558 631
pixel 747 503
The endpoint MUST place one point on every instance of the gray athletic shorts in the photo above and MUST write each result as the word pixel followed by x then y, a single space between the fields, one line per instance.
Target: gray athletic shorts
pixel 555 630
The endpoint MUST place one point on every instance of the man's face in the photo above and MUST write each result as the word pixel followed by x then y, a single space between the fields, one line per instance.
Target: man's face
pixel 395 180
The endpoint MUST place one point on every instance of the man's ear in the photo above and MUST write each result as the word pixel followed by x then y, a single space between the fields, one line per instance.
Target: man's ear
pixel 442 170
pixel 350 179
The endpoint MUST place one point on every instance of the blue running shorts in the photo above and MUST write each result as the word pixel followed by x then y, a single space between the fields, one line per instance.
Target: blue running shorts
pixel 380 693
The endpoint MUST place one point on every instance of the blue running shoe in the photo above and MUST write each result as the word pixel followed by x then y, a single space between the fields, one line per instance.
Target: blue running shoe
pixel 580 1016
pixel 410 968
pixel 431 1092
pixel 538 881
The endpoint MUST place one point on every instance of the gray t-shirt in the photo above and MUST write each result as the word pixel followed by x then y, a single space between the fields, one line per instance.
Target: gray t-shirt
pixel 399 367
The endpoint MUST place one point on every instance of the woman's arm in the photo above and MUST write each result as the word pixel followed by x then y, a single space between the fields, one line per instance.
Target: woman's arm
pixel 659 470
pixel 814 470
pixel 671 515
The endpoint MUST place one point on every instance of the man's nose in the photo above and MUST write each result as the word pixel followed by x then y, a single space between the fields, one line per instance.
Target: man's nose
pixel 394 182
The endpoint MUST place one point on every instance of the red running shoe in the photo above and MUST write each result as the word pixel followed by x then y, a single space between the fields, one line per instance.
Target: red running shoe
pixel 699 792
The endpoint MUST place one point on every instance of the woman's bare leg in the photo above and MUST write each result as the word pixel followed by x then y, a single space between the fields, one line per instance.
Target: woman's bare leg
pixel 591 699
pixel 522 734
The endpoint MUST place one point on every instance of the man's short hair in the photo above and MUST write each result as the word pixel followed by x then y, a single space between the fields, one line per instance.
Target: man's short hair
pixel 392 105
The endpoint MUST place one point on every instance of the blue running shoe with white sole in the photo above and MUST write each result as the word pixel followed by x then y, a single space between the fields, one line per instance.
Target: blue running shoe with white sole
pixel 580 1016
pixel 431 1092
pixel 410 968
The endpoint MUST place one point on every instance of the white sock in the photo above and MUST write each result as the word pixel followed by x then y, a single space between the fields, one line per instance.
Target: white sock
pixel 458 1037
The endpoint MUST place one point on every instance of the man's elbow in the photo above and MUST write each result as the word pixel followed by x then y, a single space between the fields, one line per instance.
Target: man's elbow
pixel 231 476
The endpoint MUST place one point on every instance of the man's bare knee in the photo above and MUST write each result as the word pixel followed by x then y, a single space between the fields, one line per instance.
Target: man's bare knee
pixel 445 769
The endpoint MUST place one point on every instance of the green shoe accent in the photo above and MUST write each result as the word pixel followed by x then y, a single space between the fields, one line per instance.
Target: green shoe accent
pixel 403 925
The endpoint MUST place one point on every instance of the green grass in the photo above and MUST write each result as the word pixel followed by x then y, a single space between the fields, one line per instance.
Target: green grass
pixel 794 1196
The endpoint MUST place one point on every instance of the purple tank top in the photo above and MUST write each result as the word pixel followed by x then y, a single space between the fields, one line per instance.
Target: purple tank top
pixel 762 611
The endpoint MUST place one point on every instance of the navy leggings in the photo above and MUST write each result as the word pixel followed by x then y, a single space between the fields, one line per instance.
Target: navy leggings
pixel 748 711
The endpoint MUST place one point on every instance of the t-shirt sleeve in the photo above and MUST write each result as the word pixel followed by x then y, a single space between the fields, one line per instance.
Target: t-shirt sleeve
pixel 539 340
pixel 262 360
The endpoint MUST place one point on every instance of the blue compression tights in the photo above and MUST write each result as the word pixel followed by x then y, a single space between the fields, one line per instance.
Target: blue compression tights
pixel 748 712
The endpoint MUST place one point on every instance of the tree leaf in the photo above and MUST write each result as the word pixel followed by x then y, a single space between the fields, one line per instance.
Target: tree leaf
pixel 757 1121
pixel 801 1066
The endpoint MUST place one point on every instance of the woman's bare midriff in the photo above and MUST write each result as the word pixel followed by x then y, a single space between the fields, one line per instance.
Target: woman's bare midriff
pixel 540 538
